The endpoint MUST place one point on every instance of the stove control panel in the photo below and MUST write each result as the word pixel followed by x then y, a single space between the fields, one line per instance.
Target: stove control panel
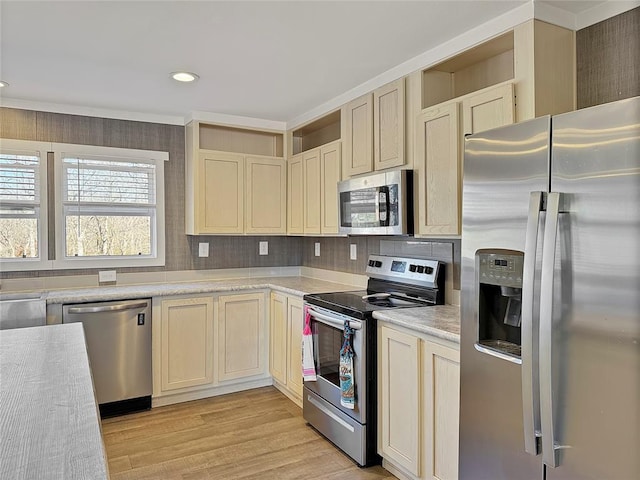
pixel 405 270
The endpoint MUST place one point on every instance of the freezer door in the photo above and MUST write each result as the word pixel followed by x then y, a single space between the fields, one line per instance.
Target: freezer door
pixel 593 407
pixel 501 169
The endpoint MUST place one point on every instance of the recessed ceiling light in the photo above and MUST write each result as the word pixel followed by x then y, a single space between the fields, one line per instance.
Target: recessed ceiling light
pixel 184 76
pixel 3 84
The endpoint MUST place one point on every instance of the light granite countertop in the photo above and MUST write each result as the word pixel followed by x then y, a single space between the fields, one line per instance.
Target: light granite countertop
pixel 49 425
pixel 442 321
pixel 292 285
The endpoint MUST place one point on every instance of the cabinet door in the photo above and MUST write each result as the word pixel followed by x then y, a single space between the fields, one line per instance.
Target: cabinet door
pixel 312 172
pixel 487 109
pixel 441 411
pixel 186 343
pixel 278 332
pixel 295 195
pixel 438 170
pixel 266 199
pixel 295 318
pixel 357 138
pixel 240 328
pixel 330 166
pixel 399 403
pixel 221 192
pixel 388 125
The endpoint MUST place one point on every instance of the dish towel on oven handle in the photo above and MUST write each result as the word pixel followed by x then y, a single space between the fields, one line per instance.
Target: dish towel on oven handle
pixel 347 383
pixel 308 364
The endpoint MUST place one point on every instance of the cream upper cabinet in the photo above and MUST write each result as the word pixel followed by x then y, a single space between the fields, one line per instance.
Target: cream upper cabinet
pixel 186 344
pixel 438 170
pixel 266 197
pixel 418 404
pixel 388 125
pixel 399 398
pixel 357 136
pixel 374 130
pixel 312 172
pixel 330 174
pixel 439 143
pixel 314 177
pixel 441 411
pixel 295 195
pixel 285 343
pixel 235 180
pixel 240 336
pixel 489 108
pixel 221 188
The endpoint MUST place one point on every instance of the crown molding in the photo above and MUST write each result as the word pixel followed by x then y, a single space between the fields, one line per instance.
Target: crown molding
pixel 604 11
pixel 236 121
pixel 433 56
pixel 91 111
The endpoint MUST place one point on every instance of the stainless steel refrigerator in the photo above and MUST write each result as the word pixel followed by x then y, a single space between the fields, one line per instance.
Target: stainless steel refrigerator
pixel 550 311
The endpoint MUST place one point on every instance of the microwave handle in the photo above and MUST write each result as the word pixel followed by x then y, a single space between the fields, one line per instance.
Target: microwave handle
pixel 383 206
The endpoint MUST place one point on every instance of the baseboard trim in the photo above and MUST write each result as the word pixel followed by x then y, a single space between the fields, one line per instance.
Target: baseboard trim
pixel 170 399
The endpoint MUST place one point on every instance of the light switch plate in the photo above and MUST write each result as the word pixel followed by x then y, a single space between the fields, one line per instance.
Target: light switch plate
pixel 316 249
pixel 203 249
pixel 264 248
pixel 353 251
pixel 106 276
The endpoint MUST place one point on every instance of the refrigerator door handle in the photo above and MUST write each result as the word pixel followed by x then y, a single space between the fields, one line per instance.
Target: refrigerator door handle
pixel 529 328
pixel 550 448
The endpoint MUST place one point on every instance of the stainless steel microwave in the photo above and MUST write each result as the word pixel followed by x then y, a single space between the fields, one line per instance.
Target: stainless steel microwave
pixel 377 204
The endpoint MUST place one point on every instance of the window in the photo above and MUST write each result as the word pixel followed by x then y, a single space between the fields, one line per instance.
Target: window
pixel 110 207
pixel 23 206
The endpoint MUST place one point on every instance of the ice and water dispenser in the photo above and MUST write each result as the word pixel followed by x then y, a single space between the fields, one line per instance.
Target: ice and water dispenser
pixel 499 301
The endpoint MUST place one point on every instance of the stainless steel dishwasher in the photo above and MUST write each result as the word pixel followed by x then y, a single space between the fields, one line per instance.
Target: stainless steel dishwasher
pixel 118 336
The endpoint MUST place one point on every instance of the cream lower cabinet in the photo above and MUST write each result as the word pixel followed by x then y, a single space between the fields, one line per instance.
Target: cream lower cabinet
pixel 285 344
pixel 399 399
pixel 418 398
pixel 186 344
pixel 240 336
pixel 208 344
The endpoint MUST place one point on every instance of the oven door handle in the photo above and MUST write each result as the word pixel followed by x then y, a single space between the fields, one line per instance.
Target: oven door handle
pixel 334 322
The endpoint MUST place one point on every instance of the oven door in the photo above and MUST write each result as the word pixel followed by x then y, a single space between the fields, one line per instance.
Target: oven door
pixel 328 335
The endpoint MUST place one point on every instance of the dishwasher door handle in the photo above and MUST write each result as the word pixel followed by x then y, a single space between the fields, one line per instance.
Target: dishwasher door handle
pixel 109 308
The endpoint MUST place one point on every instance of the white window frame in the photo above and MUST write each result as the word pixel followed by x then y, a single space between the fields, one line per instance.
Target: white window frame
pixel 41 262
pixel 62 261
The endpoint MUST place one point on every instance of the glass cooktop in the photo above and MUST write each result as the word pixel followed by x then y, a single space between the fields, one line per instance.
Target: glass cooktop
pixel 353 303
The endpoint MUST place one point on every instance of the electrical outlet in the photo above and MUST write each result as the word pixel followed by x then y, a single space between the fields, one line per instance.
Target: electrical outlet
pixel 353 251
pixel 316 250
pixel 264 248
pixel 203 249
pixel 106 276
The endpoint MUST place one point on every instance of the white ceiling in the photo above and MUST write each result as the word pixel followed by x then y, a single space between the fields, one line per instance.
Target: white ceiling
pixel 266 59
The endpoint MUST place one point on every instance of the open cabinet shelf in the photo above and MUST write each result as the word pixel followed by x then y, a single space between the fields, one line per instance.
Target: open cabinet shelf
pixel 317 133
pixel 240 140
pixel 487 64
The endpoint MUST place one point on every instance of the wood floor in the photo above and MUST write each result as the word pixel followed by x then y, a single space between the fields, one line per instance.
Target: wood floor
pixel 257 434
